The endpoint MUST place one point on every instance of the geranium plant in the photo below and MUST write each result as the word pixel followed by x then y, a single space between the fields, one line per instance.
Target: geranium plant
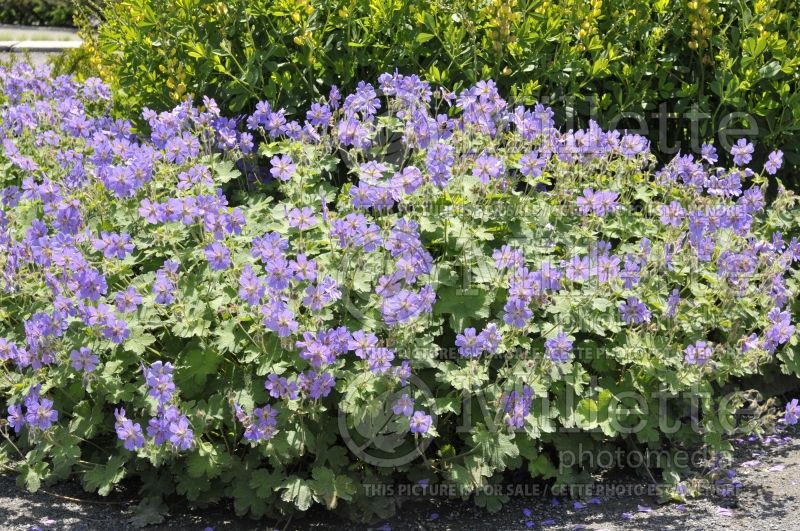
pixel 406 284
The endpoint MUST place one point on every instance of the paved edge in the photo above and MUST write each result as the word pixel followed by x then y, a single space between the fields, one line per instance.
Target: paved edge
pixel 38 46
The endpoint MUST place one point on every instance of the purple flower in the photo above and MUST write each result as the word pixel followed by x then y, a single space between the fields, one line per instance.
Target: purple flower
pixel 420 422
pixel 672 302
pixel 159 379
pixel 163 288
pixel 698 354
pixel 40 413
pixel 279 318
pixel 302 268
pixel 181 435
pixel 558 348
pixel 362 343
pixel 319 115
pixel 218 256
pixel 280 387
pixel 774 162
pixel 404 406
pixel 261 425
pixel 130 434
pixel 151 212
pixel 487 168
pixel 84 360
pixel 324 293
pixel 489 339
pixel 158 427
pixel 781 330
pixel 468 344
pixel 599 203
pixel 282 167
pixel 634 311
pixel 116 330
pixel 517 405
pixel 607 268
pixel 531 165
pixel 709 153
pixel 791 415
pixel 380 360
pixel 316 385
pixel 742 152
pixel 507 257
pixel 16 419
pixel 127 301
pixel 302 218
pixel 516 312
pixel 278 274
pixel 578 269
pixel 440 159
pixel 672 214
pixel 114 245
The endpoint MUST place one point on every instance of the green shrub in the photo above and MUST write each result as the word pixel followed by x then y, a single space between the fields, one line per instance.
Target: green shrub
pixel 704 58
pixel 482 295
pixel 39 12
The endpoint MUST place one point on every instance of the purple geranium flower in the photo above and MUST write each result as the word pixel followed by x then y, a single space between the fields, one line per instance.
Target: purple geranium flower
pixel 130 434
pixel 218 256
pixel 84 360
pixel 791 415
pixel 420 422
pixel 468 344
pixel 558 348
pixel 774 162
pixel 634 311
pixel 181 434
pixel 742 152
pixel 699 353
pixel 404 406
pixel 282 167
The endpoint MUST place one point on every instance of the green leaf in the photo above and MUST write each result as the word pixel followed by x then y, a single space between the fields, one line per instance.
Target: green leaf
pixel 297 492
pixel 541 466
pixel 195 364
pixel 586 414
pixel 150 511
pixel 490 500
pixel 203 462
pixel 225 171
pixel 102 478
pixel 496 447
pixel 328 487
pixel 31 475
pixel 138 341
pixel 790 358
pixel 264 482
pixel 464 306
pixel 65 454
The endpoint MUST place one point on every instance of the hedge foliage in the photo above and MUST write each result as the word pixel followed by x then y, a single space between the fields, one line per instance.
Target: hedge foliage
pixel 39 12
pixel 701 58
pixel 409 285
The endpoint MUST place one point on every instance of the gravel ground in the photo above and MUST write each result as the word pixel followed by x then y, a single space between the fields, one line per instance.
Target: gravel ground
pixel 767 500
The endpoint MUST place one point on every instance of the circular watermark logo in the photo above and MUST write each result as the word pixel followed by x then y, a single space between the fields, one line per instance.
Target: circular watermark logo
pixel 376 434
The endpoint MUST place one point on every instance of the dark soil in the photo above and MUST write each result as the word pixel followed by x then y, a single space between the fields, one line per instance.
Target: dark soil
pixel 767 500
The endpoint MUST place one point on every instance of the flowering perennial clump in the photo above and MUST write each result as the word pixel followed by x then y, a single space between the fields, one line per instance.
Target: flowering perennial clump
pixel 279 309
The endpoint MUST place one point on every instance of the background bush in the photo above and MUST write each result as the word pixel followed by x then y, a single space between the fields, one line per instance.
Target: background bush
pixel 39 12
pixel 721 56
